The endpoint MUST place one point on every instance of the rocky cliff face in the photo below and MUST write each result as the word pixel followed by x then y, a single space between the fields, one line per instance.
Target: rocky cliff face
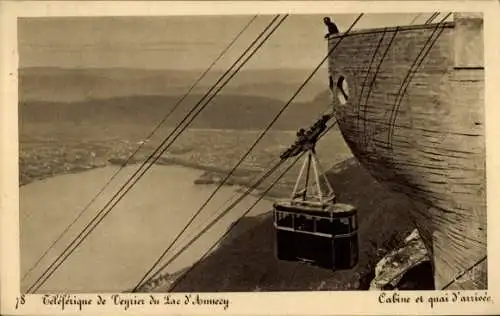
pixel 397 269
pixel 245 260
pixel 410 105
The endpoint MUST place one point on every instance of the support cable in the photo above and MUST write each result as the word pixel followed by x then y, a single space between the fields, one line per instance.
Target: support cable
pixel 417 62
pixel 432 17
pixel 262 195
pixel 415 18
pixel 148 138
pixel 44 276
pixel 246 154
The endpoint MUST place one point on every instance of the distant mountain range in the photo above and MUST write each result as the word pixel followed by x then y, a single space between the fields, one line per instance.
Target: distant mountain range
pixel 129 96
pixel 224 112
pixel 69 85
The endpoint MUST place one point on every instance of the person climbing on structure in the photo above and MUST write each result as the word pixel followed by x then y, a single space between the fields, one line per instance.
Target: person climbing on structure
pixel 307 139
pixel 332 27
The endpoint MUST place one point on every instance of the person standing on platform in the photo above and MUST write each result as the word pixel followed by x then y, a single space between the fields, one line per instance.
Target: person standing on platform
pixel 332 27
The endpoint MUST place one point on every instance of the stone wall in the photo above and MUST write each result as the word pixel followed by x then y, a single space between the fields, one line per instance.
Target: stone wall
pixel 414 117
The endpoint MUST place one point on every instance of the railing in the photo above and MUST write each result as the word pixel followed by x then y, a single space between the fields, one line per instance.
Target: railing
pixel 315 225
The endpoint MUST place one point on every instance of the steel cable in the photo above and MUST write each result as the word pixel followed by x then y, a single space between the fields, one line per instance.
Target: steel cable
pixel 231 172
pixel 277 116
pixel 124 164
pixel 417 62
pixel 35 286
pixel 262 195
pixel 306 81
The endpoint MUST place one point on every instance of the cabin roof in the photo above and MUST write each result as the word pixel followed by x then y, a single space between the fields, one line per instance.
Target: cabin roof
pixel 334 210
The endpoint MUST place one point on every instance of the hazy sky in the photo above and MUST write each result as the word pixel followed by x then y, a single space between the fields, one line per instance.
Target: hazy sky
pixel 180 42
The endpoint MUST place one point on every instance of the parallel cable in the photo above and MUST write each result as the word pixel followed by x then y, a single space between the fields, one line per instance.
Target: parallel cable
pixel 415 18
pixel 366 78
pixel 199 226
pixel 231 172
pixel 409 76
pixel 158 126
pixel 159 147
pixel 220 186
pixel 432 17
pixel 35 286
pixel 250 208
pixel 374 79
pixel 461 274
pixel 254 178
pixel 262 195
pixel 482 259
pixel 216 219
pixel 279 113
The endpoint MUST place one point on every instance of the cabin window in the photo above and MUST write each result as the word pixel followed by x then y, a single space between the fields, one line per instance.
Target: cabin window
pixel 342 90
pixel 284 219
pixel 354 223
pixel 342 226
pixel 304 223
pixel 324 226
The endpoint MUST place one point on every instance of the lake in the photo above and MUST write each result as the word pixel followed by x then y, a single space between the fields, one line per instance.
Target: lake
pixel 128 241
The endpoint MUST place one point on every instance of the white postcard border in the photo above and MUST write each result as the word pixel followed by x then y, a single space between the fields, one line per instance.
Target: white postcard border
pixel 297 303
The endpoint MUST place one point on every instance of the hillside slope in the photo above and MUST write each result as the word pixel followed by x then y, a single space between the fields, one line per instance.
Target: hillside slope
pixel 382 225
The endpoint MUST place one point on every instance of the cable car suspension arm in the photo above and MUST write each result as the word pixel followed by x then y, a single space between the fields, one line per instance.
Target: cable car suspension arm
pixel 306 142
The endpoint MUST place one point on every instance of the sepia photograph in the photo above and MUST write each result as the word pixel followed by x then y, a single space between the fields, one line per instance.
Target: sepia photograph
pixel 159 148
pixel 285 152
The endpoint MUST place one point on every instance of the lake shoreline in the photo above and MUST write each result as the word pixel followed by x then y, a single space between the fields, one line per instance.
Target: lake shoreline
pixel 120 162
pixel 241 181
pixel 243 178
pixel 153 212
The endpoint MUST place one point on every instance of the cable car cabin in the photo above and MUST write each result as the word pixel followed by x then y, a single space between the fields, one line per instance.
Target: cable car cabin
pixel 310 226
pixel 323 235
